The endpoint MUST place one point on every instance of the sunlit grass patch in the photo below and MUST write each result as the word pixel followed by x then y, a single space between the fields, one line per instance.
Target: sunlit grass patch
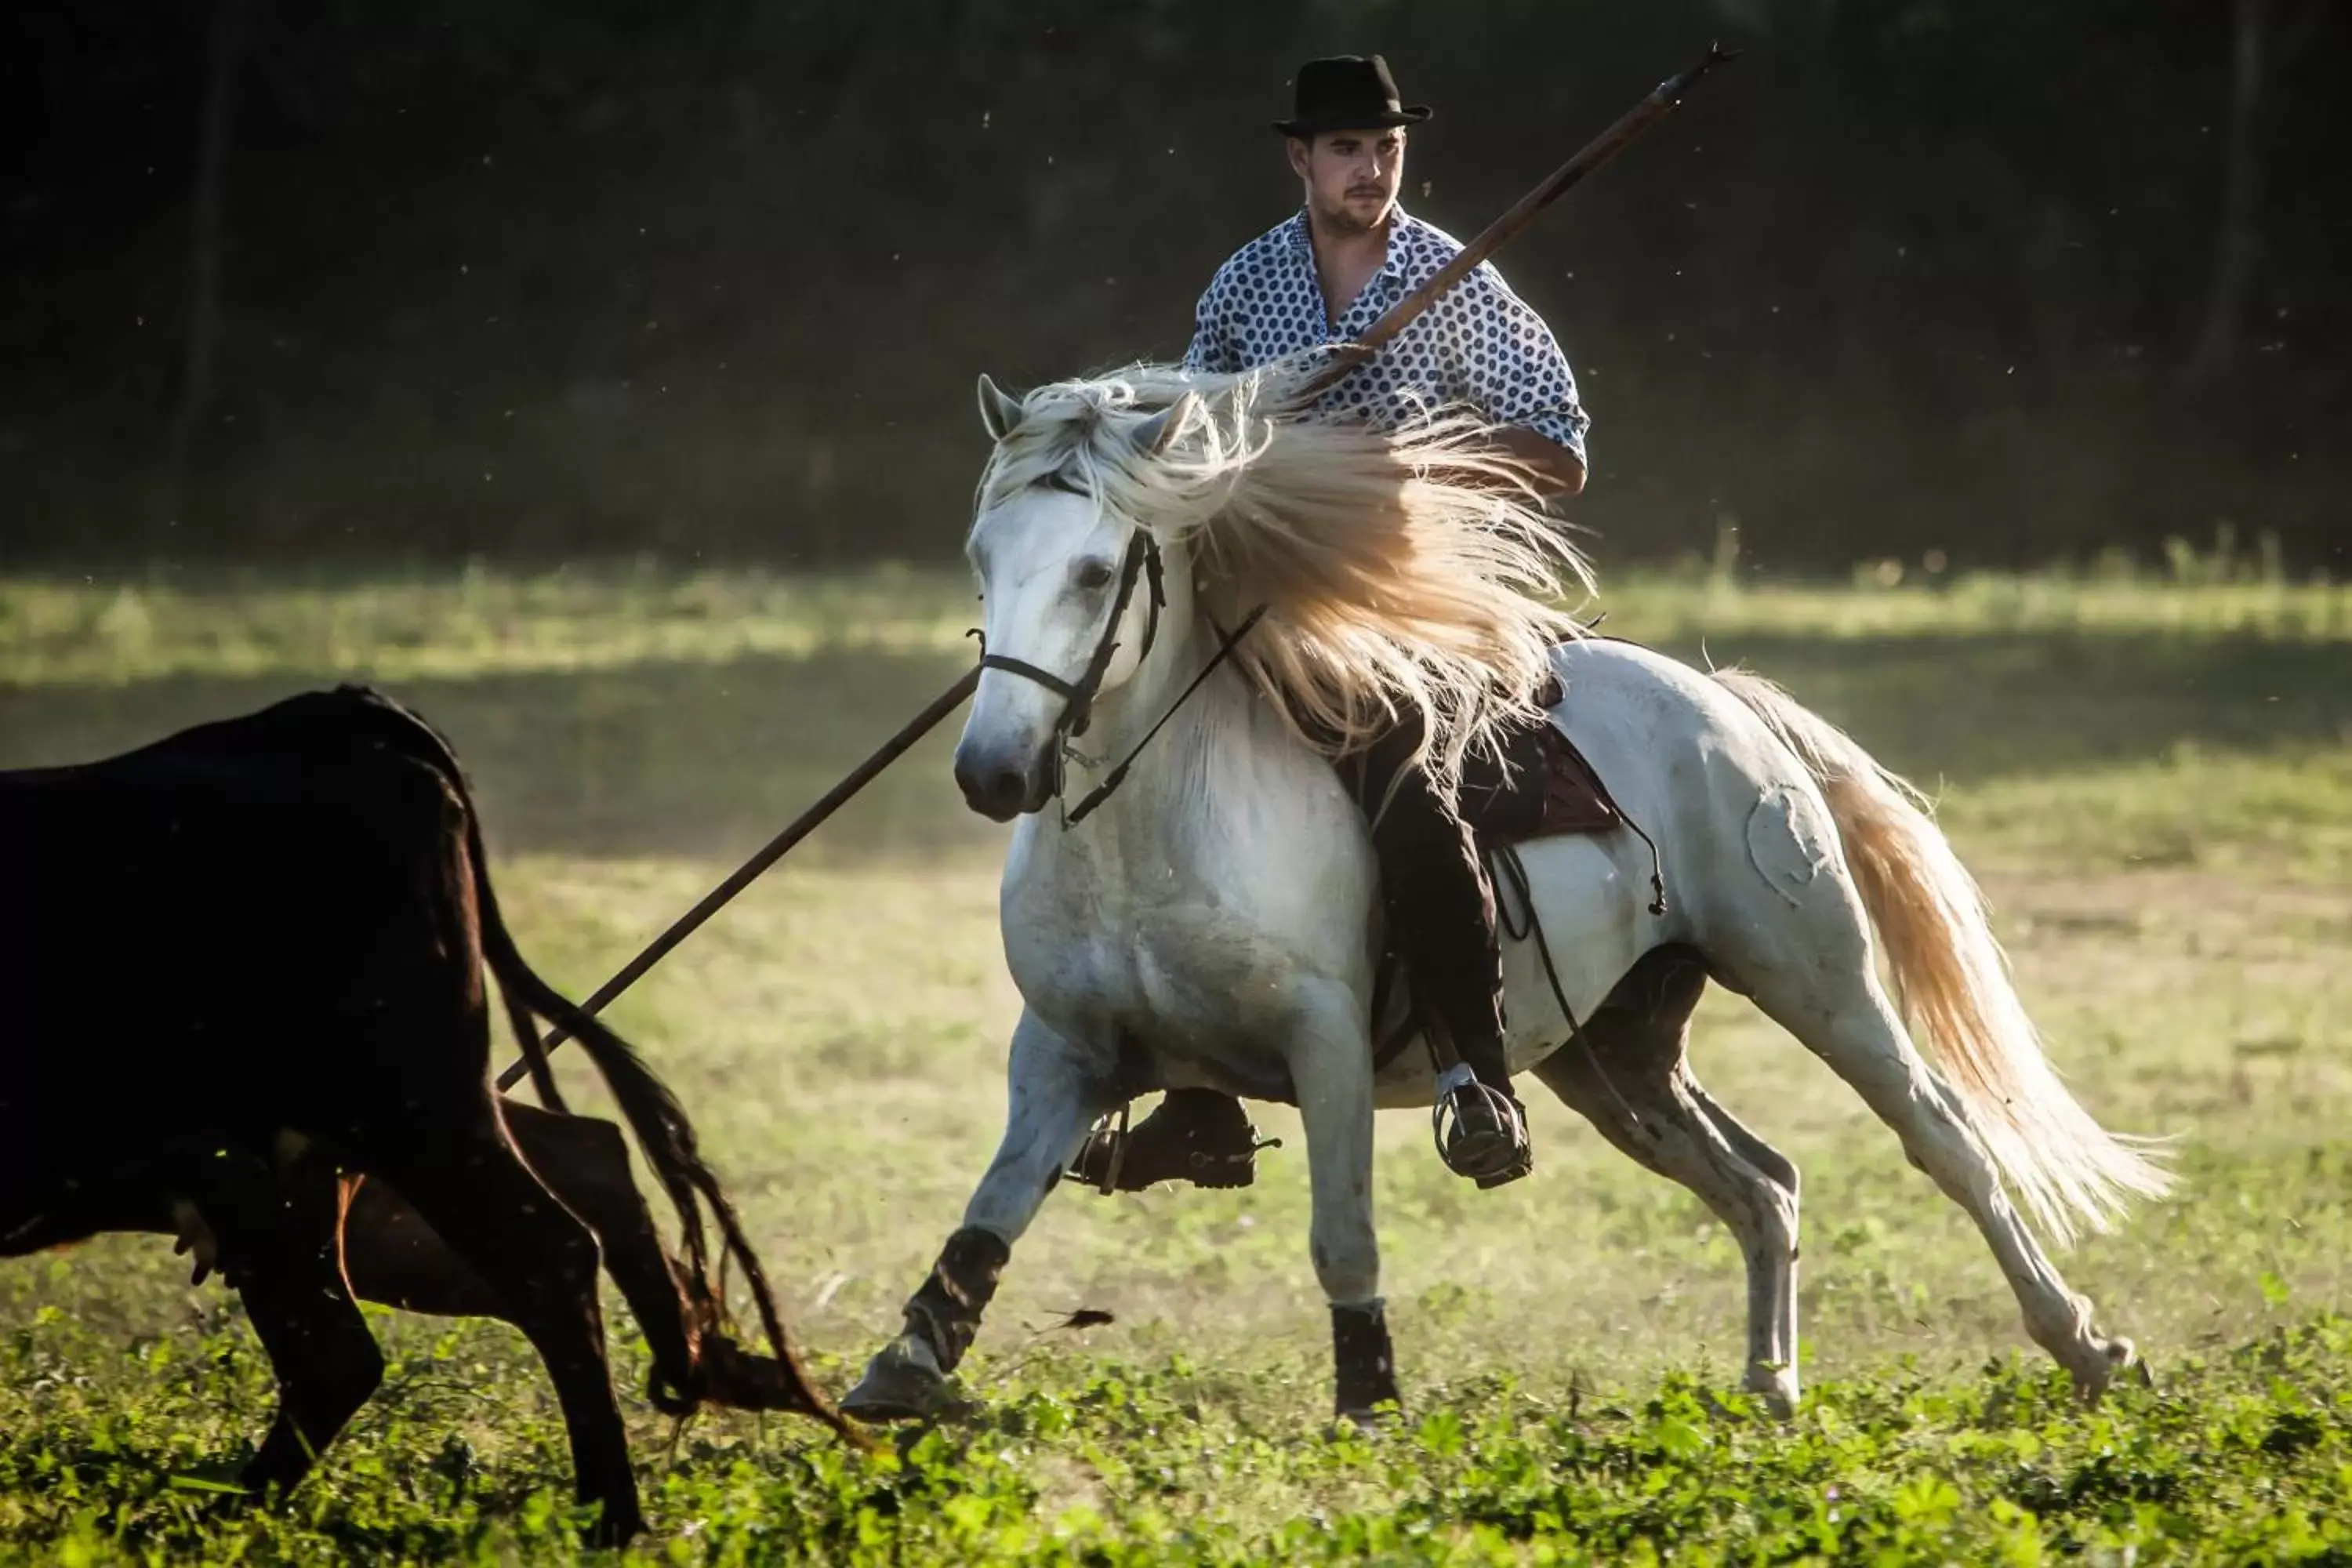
pixel 437 623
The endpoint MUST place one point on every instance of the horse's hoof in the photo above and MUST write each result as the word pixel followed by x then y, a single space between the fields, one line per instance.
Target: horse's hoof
pixel 2109 1357
pixel 902 1383
pixel 1369 1420
pixel 1775 1388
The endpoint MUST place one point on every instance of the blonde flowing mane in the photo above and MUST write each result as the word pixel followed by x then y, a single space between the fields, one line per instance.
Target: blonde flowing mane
pixel 1405 574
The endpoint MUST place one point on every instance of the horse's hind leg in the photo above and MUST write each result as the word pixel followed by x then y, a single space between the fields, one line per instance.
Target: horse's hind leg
pixel 1626 1071
pixel 1829 998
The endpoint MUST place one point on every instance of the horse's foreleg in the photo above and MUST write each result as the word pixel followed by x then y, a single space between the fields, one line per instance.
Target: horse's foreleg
pixel 1331 1067
pixel 1056 1090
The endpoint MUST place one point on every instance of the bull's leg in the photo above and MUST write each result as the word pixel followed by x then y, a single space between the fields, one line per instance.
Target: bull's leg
pixel 278 1246
pixel 391 1256
pixel 1056 1090
pixel 271 1235
pixel 471 1187
pixel 396 1258
pixel 326 1361
pixel 585 1162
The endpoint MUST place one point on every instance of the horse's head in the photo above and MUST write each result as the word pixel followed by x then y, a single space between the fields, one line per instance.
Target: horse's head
pixel 1071 588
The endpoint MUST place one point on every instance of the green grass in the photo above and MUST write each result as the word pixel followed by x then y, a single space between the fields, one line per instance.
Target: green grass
pixel 2153 774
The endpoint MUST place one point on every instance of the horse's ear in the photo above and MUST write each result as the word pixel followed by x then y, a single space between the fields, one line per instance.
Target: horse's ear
pixel 998 411
pixel 1151 437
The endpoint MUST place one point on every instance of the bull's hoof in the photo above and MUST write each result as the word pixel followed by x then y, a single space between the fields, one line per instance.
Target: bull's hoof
pixel 902 1383
pixel 740 1379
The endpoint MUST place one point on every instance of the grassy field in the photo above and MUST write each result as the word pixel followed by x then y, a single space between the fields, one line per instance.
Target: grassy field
pixel 2153 776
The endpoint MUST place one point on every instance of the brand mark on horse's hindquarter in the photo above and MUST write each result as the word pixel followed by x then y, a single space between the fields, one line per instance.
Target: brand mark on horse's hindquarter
pixel 1785 843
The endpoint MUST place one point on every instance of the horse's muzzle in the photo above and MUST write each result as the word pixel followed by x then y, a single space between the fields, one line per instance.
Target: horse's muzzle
pixel 1000 788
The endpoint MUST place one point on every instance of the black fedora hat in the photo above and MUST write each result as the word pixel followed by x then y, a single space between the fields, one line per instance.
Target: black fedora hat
pixel 1348 92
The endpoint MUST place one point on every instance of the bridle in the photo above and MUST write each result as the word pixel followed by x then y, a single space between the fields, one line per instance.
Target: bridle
pixel 1141 567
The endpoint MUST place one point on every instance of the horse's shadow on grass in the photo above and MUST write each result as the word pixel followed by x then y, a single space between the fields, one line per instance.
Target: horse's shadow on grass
pixel 708 759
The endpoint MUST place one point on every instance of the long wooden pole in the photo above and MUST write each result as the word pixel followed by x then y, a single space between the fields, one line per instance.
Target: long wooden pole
pixel 1661 102
pixel 1656 107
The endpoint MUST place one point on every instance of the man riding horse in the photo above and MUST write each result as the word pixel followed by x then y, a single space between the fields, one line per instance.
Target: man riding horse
pixel 1324 276
pixel 1205 927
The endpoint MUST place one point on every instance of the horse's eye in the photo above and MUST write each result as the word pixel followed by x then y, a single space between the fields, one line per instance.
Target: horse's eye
pixel 1094 576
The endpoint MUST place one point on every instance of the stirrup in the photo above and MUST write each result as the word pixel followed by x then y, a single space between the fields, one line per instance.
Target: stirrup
pixel 1101 1159
pixel 1480 1131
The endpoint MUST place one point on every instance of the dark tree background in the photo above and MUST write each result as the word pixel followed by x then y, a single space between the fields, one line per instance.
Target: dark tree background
pixel 373 279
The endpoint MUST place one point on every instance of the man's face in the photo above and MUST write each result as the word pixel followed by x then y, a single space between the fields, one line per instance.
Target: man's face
pixel 1352 176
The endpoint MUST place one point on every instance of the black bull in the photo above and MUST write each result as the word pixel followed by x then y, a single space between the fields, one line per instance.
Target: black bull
pixel 244 967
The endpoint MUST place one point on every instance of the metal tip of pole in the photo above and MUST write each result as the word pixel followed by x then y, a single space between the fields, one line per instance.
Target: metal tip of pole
pixel 1673 87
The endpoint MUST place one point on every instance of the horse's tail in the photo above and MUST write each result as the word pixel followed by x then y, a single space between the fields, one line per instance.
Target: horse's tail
pixel 1952 980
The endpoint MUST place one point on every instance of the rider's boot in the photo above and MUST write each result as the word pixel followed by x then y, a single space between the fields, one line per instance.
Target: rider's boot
pixel 1196 1135
pixel 1440 913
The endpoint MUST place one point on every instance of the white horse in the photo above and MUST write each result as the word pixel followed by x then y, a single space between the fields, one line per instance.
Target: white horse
pixel 1214 922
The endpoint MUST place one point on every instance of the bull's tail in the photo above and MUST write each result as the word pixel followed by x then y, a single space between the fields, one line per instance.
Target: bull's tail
pixel 663 1132
pixel 653 1113
pixel 1953 981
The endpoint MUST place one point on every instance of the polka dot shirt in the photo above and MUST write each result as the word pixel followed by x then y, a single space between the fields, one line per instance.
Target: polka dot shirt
pixel 1479 343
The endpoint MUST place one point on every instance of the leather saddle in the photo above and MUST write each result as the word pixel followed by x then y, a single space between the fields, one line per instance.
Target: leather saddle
pixel 1539 785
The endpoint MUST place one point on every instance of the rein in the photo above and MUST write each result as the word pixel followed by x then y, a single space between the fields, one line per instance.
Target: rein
pixel 1226 642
